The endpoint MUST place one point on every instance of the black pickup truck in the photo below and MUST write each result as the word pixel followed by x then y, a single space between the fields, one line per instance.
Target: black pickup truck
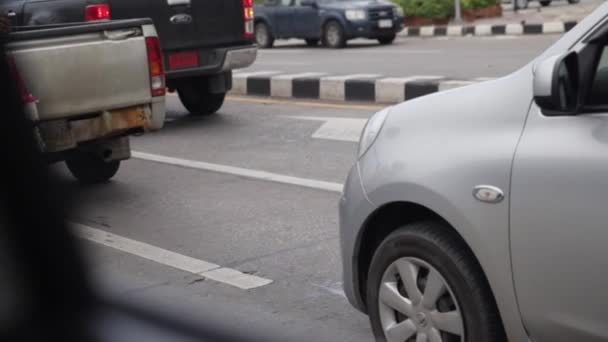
pixel 202 40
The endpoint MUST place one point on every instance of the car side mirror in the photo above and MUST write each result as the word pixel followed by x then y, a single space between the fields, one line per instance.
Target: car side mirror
pixel 309 3
pixel 556 85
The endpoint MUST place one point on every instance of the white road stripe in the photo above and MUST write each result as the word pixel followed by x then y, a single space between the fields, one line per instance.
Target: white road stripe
pixel 242 172
pixel 342 129
pixel 162 256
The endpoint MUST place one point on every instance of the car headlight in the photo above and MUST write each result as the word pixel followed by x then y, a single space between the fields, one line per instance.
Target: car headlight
pixel 399 11
pixel 356 15
pixel 371 130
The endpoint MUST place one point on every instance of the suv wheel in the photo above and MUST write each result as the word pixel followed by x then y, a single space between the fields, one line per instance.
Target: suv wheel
pixel 425 285
pixel 545 3
pixel 386 40
pixel 90 168
pixel 333 35
pixel 574 1
pixel 263 36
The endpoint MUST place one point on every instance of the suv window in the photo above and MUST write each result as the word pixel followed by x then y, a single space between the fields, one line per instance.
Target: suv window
pixel 599 89
pixel 285 2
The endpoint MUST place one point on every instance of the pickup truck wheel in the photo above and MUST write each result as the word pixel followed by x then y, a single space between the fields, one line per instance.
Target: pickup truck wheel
pixel 200 102
pixel 89 168
pixel 574 1
pixel 333 35
pixel 545 3
pixel 312 42
pixel 263 36
pixel 386 40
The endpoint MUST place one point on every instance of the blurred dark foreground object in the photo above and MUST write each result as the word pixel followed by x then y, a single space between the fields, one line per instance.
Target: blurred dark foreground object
pixel 45 292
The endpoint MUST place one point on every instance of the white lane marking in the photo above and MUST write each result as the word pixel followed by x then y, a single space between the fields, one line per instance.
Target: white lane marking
pixel 342 129
pixel 241 172
pixel 162 256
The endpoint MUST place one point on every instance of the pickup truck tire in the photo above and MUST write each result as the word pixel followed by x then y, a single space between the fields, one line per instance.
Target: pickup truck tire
pixel 574 1
pixel 312 42
pixel 89 168
pixel 333 35
pixel 386 40
pixel 545 3
pixel 200 102
pixel 263 36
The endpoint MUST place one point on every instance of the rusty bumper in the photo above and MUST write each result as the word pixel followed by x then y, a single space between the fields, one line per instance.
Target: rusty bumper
pixel 61 135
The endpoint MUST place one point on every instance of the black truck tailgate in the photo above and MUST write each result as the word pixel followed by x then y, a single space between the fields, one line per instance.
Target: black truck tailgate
pixel 184 24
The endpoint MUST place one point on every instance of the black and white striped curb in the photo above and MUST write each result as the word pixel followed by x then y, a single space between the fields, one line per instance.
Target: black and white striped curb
pixel 359 87
pixel 488 30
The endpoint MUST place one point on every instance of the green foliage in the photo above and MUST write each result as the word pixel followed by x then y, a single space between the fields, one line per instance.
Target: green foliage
pixel 439 9
pixel 436 9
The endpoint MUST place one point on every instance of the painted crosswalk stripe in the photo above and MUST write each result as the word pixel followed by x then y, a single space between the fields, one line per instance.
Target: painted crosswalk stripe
pixel 165 257
pixel 241 172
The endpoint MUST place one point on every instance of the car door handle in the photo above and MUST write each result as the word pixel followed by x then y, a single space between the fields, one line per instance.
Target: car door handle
pixel 11 14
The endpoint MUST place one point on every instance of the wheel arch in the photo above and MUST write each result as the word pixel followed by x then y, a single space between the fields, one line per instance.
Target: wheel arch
pixel 263 20
pixel 381 223
pixel 332 17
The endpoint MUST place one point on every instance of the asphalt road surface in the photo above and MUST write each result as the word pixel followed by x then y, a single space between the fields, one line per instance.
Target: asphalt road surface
pixel 461 58
pixel 276 231
pixel 233 217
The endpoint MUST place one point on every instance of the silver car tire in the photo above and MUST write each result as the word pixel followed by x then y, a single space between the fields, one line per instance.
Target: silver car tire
pixel 424 285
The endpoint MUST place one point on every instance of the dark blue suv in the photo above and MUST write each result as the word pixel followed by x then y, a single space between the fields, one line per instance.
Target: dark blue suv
pixel 333 22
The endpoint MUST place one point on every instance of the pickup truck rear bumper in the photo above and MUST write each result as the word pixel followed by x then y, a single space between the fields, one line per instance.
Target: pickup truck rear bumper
pixel 67 134
pixel 213 61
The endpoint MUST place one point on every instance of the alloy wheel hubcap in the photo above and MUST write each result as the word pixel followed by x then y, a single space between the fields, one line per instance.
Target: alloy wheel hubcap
pixel 417 305
pixel 333 36
pixel 261 35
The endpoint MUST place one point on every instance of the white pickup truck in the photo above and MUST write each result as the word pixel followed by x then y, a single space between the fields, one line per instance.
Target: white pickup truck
pixel 93 85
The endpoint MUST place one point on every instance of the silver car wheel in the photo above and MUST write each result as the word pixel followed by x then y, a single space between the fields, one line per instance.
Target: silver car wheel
pixel 261 35
pixel 333 35
pixel 417 305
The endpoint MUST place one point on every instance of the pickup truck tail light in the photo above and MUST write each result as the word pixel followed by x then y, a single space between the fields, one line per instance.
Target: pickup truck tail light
pixel 98 12
pixel 249 16
pixel 26 97
pixel 157 69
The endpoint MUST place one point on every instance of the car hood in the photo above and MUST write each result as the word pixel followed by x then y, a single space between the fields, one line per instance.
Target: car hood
pixel 355 4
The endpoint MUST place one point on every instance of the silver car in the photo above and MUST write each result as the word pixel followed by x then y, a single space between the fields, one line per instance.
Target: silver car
pixel 481 213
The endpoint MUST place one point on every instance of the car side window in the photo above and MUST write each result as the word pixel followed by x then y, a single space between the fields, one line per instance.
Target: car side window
pixel 286 2
pixel 599 88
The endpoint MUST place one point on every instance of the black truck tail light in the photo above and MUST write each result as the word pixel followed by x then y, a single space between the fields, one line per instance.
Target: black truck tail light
pixel 249 16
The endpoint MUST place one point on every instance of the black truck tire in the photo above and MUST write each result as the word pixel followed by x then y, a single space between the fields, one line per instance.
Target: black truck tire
pixel 545 3
pixel 200 102
pixel 312 42
pixel 263 36
pixel 90 168
pixel 574 1
pixel 333 35
pixel 386 40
